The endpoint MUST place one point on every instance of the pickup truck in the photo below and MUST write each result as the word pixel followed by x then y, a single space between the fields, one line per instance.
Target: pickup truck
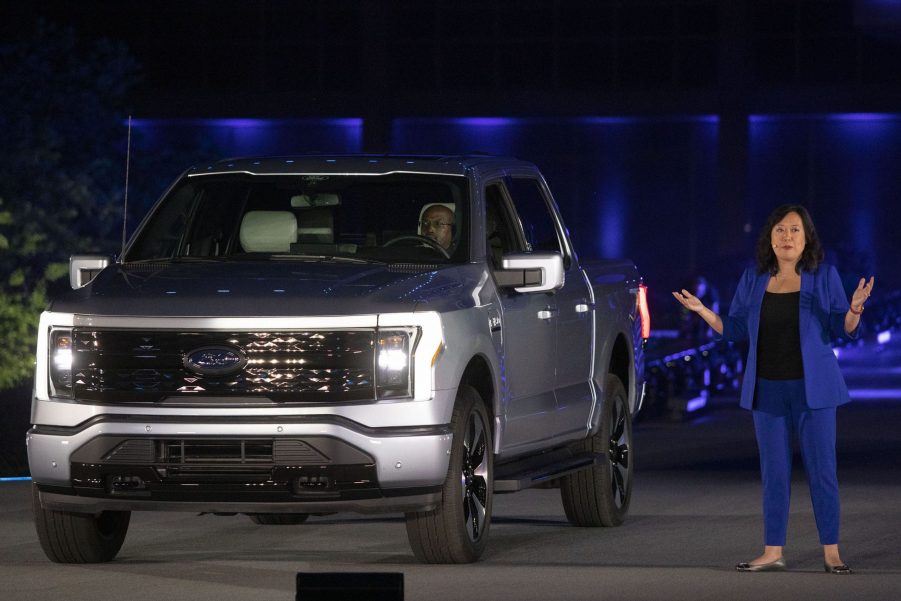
pixel 294 336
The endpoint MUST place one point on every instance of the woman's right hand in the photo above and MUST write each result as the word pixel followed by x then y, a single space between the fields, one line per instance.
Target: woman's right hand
pixel 689 300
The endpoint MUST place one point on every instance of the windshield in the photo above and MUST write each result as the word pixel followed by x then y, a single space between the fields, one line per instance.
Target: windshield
pixel 385 218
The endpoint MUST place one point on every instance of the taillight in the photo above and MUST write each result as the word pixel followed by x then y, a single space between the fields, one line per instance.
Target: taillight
pixel 642 301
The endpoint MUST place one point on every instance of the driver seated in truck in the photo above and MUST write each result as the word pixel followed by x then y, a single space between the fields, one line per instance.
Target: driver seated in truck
pixel 437 222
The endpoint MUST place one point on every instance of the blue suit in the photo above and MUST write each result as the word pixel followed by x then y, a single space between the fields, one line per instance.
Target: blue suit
pixel 806 407
pixel 822 313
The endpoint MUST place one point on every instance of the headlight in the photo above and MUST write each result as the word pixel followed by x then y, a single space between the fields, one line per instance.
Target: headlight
pixel 61 362
pixel 393 378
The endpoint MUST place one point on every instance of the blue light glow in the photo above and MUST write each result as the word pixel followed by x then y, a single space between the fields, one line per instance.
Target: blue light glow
pixel 613 120
pixel 613 215
pixel 16 479
pixel 249 136
pixel 696 403
pixel 862 116
pixel 776 118
pixel 871 394
pixel 843 165
pixel 485 121
pixel 884 337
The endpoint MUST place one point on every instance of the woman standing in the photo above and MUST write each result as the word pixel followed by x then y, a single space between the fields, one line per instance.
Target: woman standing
pixel 789 309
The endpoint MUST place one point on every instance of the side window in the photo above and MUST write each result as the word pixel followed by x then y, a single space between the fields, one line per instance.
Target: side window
pixel 534 214
pixel 499 228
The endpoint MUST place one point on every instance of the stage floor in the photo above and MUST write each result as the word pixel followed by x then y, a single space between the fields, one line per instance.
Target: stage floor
pixel 695 513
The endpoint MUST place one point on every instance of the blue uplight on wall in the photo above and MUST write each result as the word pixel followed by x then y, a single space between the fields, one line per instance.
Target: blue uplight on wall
pixel 612 224
pixel 455 135
pixel 241 137
pixel 844 167
pixel 620 180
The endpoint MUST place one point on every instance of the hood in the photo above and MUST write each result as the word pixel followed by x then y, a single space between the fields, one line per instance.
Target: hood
pixel 270 289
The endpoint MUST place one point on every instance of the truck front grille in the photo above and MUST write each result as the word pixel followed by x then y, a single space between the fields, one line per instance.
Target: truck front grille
pixel 127 366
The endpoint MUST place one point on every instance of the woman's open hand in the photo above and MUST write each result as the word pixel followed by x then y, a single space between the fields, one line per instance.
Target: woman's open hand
pixel 862 293
pixel 689 300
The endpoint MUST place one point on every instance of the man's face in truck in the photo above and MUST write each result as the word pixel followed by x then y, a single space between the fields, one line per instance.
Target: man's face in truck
pixel 437 224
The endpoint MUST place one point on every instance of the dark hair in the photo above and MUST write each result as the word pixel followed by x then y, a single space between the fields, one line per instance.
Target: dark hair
pixel 813 251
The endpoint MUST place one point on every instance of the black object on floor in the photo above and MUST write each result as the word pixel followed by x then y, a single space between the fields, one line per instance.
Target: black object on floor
pixel 359 586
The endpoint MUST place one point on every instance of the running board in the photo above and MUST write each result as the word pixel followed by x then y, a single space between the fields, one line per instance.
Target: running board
pixel 531 471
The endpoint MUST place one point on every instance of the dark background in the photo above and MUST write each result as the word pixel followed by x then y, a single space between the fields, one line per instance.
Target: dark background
pixel 667 129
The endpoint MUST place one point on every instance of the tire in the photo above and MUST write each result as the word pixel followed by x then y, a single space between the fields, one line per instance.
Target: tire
pixel 600 495
pixel 68 537
pixel 278 519
pixel 457 530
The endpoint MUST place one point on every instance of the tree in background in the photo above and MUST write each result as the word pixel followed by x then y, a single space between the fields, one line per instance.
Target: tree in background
pixel 61 172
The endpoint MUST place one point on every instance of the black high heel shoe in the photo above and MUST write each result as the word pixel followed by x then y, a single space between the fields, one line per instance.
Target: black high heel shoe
pixel 839 569
pixel 773 566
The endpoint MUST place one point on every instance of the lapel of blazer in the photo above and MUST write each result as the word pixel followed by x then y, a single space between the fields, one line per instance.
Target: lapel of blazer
pixel 756 301
pixel 806 300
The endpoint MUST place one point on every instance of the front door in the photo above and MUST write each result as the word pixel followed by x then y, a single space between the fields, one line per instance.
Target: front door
pixel 528 339
pixel 573 309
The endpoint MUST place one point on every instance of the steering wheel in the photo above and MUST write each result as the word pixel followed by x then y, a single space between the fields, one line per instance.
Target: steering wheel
pixel 422 239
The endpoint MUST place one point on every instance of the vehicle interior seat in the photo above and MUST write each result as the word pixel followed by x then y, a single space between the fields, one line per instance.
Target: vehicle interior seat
pixel 316 227
pixel 268 231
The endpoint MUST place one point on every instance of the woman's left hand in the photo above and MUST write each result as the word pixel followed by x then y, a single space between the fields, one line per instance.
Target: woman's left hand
pixel 862 293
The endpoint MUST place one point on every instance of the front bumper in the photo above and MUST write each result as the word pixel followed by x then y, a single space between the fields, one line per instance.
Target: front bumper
pixel 418 499
pixel 238 464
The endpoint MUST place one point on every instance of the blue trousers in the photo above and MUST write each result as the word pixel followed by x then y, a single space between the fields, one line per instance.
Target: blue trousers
pixel 780 412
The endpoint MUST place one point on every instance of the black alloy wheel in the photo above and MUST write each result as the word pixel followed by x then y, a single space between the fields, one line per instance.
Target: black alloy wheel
pixel 474 477
pixel 456 531
pixel 600 495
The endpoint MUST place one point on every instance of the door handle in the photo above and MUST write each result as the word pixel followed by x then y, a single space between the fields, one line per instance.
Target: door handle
pixel 548 312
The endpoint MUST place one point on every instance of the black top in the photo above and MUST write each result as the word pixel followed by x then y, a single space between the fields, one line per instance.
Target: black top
pixel 779 338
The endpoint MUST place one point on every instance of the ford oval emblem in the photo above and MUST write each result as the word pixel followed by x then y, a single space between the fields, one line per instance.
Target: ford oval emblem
pixel 215 360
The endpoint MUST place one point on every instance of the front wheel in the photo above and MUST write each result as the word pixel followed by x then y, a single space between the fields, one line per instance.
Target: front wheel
pixel 68 537
pixel 457 530
pixel 600 495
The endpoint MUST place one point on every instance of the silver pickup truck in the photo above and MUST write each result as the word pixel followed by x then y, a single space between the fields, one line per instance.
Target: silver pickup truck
pixel 285 337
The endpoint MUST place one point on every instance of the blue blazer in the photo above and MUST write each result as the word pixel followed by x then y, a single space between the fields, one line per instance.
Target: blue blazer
pixel 822 310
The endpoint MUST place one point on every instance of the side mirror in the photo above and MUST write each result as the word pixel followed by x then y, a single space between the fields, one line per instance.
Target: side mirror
pixel 531 272
pixel 84 268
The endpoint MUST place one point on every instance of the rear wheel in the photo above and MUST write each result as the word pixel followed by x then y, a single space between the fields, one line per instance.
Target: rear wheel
pixel 68 537
pixel 278 519
pixel 600 495
pixel 457 530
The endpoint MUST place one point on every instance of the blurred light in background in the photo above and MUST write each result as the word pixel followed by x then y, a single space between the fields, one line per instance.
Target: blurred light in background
pixel 241 137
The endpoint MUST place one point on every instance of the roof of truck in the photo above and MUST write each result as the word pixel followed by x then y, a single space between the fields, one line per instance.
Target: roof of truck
pixel 356 163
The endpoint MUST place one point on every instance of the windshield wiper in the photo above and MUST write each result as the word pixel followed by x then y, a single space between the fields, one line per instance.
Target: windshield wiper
pixel 326 259
pixel 175 260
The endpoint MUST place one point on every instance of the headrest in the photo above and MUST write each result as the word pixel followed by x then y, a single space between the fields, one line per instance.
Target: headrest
pixel 268 231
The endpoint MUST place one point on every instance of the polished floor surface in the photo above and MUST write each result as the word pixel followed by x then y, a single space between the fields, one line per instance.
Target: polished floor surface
pixel 695 513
